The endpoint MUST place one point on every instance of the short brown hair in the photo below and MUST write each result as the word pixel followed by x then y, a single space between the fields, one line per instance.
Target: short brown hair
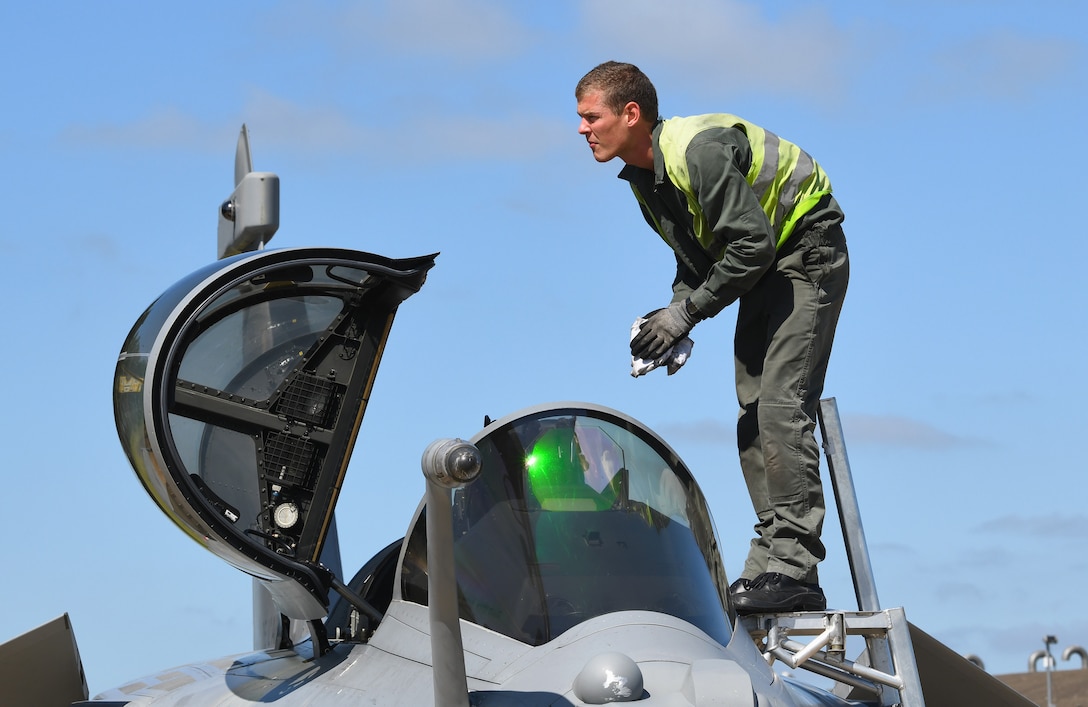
pixel 620 84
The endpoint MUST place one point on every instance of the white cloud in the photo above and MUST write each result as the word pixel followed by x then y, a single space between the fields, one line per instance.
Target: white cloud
pixel 305 127
pixel 1049 527
pixel 465 29
pixel 457 30
pixel 431 80
pixel 958 593
pixel 322 130
pixel 162 127
pixel 99 245
pixel 886 430
pixel 896 431
pixel 1000 65
pixel 704 431
pixel 725 47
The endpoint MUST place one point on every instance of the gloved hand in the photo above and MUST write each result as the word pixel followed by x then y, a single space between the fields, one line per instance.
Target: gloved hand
pixel 662 329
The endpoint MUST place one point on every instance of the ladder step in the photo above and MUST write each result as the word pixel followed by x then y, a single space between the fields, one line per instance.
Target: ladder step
pixel 885 632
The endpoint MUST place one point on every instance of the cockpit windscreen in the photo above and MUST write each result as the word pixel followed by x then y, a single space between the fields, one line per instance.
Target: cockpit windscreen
pixel 577 514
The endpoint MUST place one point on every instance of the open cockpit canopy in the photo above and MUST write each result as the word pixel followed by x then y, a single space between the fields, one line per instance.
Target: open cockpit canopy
pixel 238 396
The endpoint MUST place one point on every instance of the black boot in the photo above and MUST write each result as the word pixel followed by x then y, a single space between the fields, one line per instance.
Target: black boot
pixel 773 593
pixel 741 585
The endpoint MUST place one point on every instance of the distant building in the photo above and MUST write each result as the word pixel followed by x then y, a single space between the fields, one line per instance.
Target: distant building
pixel 1068 688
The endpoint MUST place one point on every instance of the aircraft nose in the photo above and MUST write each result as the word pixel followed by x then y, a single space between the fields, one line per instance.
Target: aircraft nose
pixel 609 677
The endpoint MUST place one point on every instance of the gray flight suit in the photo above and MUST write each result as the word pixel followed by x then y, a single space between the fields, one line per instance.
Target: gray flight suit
pixel 789 304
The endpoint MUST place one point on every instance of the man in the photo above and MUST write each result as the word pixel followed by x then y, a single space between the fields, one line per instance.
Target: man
pixel 750 217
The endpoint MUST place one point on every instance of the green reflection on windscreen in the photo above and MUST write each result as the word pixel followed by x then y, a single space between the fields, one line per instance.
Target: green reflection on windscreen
pixel 561 475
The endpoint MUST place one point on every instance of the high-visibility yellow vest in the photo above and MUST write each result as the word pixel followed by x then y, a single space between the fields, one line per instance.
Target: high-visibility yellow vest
pixel 786 179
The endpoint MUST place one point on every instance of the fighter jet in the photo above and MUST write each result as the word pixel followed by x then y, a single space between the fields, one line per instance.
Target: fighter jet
pixel 561 555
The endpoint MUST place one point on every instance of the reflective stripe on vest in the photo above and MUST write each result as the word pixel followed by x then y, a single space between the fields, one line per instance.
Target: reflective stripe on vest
pixel 786 179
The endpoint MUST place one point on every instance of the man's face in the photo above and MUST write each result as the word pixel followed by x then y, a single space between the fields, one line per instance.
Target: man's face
pixel 607 133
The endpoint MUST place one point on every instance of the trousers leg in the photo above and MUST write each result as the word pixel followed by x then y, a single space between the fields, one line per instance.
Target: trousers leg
pixel 785 330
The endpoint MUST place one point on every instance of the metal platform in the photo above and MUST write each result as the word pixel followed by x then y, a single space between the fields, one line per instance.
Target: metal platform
pixel 892 679
pixel 887 669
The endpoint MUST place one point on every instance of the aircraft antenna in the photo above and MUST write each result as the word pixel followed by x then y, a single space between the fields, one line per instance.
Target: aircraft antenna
pixel 251 216
pixel 243 161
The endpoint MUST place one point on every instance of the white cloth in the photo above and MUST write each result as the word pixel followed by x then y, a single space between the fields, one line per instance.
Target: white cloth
pixel 673 359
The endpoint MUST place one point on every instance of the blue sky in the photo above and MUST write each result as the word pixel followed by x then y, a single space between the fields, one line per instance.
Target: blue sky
pixel 953 133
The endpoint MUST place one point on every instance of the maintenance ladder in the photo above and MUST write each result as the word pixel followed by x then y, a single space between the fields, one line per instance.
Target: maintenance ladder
pixel 887 669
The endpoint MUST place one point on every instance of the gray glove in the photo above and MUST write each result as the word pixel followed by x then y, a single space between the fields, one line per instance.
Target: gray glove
pixel 662 329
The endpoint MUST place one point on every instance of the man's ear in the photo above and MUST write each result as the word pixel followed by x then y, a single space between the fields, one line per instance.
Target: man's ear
pixel 632 113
